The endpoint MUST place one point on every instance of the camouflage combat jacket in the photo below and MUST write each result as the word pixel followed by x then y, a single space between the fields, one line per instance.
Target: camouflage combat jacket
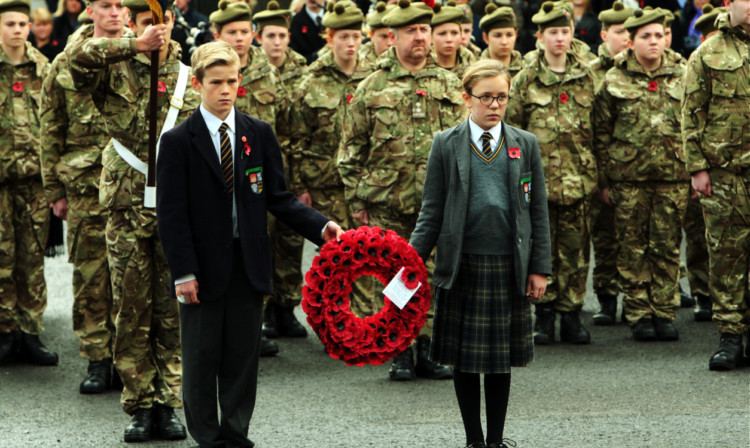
pixel 367 54
pixel 637 122
pixel 73 131
pixel 316 119
pixel 577 47
pixel 557 109
pixel 388 132
pixel 464 58
pixel 118 78
pixel 20 97
pixel 474 48
pixel 716 102
pixel 261 93
pixel 292 70
pixel 516 61
pixel 601 65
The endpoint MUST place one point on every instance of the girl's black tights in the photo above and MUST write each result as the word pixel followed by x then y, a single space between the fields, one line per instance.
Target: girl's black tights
pixel 496 392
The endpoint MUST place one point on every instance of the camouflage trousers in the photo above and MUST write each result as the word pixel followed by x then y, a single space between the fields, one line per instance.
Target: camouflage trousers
pixel 286 254
pixel 648 223
pixel 147 351
pixel 602 219
pixel 727 217
pixel 24 224
pixel 697 252
pixel 569 238
pixel 332 203
pixel 403 224
pixel 93 311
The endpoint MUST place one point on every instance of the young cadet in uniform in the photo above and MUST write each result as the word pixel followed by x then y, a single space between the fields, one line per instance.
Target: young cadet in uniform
pixel 73 137
pixel 467 30
pixel 500 31
pixel 578 47
pixel 636 129
pixel 552 98
pixel 316 120
pixel 24 210
pixel 446 39
pixel 379 42
pixel 273 37
pixel 716 131
pixel 387 135
pixel 606 279
pixel 147 333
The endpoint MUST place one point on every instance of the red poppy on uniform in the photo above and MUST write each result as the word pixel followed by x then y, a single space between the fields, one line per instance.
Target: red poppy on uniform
pixel 564 97
pixel 421 93
pixel 241 91
pixel 349 98
pixel 652 86
pixel 161 87
pixel 17 86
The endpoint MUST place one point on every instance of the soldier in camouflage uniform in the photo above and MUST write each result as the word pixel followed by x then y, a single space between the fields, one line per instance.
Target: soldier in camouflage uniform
pixel 73 138
pixel 316 120
pixel 716 132
pixel 637 125
pixel 500 31
pixel 147 338
pixel 387 138
pixel 379 42
pixel 578 47
pixel 606 278
pixel 24 210
pixel 467 31
pixel 448 52
pixel 552 98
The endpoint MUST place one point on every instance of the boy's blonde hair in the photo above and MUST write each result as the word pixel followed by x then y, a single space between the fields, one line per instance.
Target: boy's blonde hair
pixel 41 15
pixel 485 68
pixel 212 54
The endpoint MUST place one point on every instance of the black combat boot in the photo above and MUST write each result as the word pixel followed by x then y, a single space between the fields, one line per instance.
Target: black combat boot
pixel 9 343
pixel 702 312
pixel 270 327
pixel 544 328
pixel 644 330
pixel 402 368
pixel 426 368
pixel 97 378
pixel 287 324
pixel 572 330
pixel 686 301
pixel 34 352
pixel 729 356
pixel 267 347
pixel 166 425
pixel 139 429
pixel 665 329
pixel 607 310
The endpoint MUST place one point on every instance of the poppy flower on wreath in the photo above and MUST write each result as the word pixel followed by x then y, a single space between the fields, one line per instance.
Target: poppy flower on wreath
pixel 653 86
pixel 241 92
pixel 564 97
pixel 17 86
pixel 373 339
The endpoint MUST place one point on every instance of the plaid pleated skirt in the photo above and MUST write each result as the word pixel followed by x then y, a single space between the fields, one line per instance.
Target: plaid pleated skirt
pixel 482 325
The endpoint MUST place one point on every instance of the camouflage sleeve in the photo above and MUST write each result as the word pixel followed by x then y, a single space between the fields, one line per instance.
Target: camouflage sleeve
pixel 514 113
pixel 695 98
pixel 53 122
pixel 603 122
pixel 300 118
pixel 90 58
pixel 355 148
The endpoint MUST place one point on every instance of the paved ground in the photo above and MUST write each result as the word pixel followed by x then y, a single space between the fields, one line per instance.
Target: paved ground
pixel 612 393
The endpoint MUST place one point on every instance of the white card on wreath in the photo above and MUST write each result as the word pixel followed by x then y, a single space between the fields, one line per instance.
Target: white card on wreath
pixel 397 291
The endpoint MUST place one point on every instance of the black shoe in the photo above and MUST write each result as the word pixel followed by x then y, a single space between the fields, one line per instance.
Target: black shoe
pixel 269 329
pixel 702 312
pixel 34 352
pixel 9 344
pixel 729 356
pixel 166 425
pixel 686 301
pixel 544 328
pixel 426 368
pixel 607 310
pixel 97 378
pixel 665 330
pixel 116 383
pixel 268 347
pixel 476 445
pixel 402 368
pixel 644 330
pixel 506 443
pixel 139 429
pixel 287 324
pixel 572 330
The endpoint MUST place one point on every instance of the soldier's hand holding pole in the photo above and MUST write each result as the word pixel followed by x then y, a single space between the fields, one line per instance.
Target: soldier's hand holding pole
pixel 152 39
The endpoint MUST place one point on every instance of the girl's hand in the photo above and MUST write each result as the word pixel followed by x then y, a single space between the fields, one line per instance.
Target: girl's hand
pixel 536 284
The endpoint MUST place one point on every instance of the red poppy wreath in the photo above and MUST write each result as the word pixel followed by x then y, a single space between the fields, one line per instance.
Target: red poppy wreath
pixel 372 339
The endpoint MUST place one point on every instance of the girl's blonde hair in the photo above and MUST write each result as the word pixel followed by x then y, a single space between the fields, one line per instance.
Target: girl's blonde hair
pixel 485 68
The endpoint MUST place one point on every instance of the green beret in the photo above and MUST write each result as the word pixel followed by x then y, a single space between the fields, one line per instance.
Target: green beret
pixel 272 16
pixel 494 17
pixel 408 13
pixel 668 15
pixel 343 15
pixel 617 15
pixel 137 6
pixel 553 15
pixel 231 12
pixel 447 14
pixel 642 17
pixel 84 18
pixel 706 24
pixel 22 6
pixel 375 18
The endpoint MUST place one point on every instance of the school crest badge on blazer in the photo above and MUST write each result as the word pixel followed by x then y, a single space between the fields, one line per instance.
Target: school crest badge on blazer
pixel 526 186
pixel 255 176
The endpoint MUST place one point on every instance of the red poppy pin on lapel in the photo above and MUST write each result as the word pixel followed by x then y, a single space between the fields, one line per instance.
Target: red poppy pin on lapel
pixel 564 97
pixel 18 87
pixel 652 86
pixel 349 98
pixel 161 87
pixel 247 147
pixel 421 93
pixel 241 91
pixel 304 29
pixel 514 153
